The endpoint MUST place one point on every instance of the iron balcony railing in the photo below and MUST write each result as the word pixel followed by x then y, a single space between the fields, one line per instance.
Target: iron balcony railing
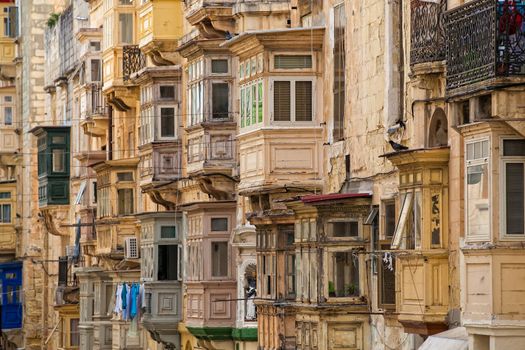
pixel 133 60
pixel 427 39
pixel 485 40
pixel 95 102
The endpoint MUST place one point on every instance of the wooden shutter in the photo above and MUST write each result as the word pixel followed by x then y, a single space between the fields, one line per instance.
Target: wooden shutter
pixel 514 192
pixel 281 101
pixel 303 101
pixel 62 271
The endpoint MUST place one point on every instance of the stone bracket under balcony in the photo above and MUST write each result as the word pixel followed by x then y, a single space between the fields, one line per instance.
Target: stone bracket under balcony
pixel 219 186
pixel 54 219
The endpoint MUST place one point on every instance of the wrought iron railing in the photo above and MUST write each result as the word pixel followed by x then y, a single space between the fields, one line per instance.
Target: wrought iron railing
pixel 427 39
pixel 133 60
pixel 95 103
pixel 485 39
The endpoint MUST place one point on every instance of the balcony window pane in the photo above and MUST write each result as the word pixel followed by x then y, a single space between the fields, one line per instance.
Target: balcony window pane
pixel 5 213
pixel 219 66
pixel 282 101
pixel 125 28
pixel 343 275
pixel 125 2
pixel 125 201
pixel 168 232
pixel 343 229
pixel 290 275
pixel 242 106
pixel 220 100
pixel 167 122
pixel 8 115
pixel 127 176
pixel 96 70
pixel 74 335
pixel 219 224
pixel 168 263
pixel 260 101
pixel 387 282
pixel 59 160
pixel 5 195
pixel 478 200
pixel 254 104
pixel 219 259
pixel 514 148
pixel 167 92
pixel 390 219
pixel 514 198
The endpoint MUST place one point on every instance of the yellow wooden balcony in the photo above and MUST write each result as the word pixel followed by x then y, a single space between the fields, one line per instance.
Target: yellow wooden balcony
pixel 8 217
pixel 159 28
pixel 271 158
pixel 422 300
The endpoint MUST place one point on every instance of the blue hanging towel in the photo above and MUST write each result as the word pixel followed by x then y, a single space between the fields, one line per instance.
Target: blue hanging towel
pixel 134 300
pixel 124 297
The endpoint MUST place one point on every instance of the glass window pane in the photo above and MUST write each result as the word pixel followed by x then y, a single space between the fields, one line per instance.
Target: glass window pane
pixel 514 198
pixel 514 148
pixel 254 104
pixel 126 28
pixel 74 336
pixel 219 66
pixel 219 224
pixel 59 160
pixel 8 115
pixel 219 254
pixel 167 122
pixel 6 213
pixel 260 102
pixel 168 232
pixel 344 275
pixel 167 92
pixel 125 201
pixel 293 61
pixel 220 100
pixel 344 229
pixel 390 219
pixel 478 200
pixel 242 107
pixel 167 269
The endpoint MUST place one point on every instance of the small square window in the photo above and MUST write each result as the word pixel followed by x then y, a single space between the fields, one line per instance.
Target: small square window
pixel 168 232
pixel 127 176
pixel 219 224
pixel 343 229
pixel 167 92
pixel 5 195
pixel 94 45
pixel 219 66
pixel 8 98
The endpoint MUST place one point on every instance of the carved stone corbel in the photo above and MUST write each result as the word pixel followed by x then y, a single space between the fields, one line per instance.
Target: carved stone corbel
pixel 49 216
pixel 157 198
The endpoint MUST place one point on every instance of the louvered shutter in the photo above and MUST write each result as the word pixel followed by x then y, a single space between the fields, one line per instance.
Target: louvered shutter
pixel 303 101
pixel 281 101
pixel 514 198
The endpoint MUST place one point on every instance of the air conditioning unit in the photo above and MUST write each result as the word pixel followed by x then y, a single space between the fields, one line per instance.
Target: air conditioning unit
pixel 131 248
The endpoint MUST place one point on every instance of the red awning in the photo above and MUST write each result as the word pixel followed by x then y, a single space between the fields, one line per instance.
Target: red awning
pixel 333 196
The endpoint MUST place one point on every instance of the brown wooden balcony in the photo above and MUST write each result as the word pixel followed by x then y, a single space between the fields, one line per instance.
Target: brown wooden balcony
pixel 485 42
pixel 427 38
pixel 133 60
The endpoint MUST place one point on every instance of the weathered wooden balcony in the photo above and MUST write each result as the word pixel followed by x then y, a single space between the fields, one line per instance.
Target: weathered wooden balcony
pixel 427 37
pixel 485 42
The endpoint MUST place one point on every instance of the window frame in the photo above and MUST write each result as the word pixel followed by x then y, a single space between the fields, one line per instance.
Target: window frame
pixel 329 256
pixel 210 104
pixel 330 236
pixel 479 161
pixel 502 185
pixel 399 238
pixel 175 124
pixel 228 253
pixel 2 219
pixel 292 121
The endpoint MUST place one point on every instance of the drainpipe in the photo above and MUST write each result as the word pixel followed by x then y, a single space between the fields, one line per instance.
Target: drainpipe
pixel 110 133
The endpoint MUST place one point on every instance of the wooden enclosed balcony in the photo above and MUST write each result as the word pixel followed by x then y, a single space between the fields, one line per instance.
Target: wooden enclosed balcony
pixel 160 26
pixel 485 44
pixel 218 12
pixel 211 152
